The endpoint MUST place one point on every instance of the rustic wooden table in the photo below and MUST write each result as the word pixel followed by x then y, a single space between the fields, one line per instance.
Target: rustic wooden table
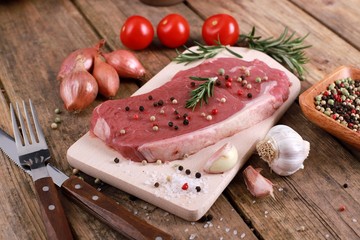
pixel 35 36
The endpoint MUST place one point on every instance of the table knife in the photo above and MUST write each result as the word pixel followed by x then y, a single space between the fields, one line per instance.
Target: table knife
pixel 98 204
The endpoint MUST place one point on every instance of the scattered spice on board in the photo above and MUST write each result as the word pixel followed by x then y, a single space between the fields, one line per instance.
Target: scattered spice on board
pixel 341 102
pixel 179 184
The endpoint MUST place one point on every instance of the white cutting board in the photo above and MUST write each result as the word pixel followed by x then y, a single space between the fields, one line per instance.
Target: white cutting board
pixel 90 155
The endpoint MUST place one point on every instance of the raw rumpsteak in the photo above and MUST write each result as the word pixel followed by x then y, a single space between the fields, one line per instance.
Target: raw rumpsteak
pixel 157 126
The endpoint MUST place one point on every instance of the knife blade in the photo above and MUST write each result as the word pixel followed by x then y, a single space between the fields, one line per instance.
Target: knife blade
pixel 95 202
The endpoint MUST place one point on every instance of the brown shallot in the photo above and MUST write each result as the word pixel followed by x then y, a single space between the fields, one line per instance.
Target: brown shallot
pixel 87 54
pixel 125 63
pixel 258 185
pixel 106 77
pixel 78 89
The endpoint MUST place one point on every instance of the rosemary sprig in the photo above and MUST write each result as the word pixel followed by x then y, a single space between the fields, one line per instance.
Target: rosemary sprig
pixel 202 92
pixel 202 52
pixel 285 49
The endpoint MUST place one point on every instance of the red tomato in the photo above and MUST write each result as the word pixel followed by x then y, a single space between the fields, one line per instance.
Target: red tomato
pixel 220 27
pixel 173 30
pixel 136 33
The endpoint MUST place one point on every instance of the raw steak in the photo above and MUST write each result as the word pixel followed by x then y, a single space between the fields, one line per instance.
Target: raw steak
pixel 157 126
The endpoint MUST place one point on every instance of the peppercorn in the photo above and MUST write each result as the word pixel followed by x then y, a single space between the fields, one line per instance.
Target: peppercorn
pixel 156 184
pixel 176 127
pixel 170 124
pixel 155 104
pixel 198 175
pixel 160 102
pixel 116 160
pixel 187 171
pixel 249 95
pixel 180 168
pixel 150 97
pixel 186 122
pixel 198 188
pixel 141 108
pixel 127 108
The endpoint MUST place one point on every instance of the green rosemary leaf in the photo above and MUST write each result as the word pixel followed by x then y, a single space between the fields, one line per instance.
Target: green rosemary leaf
pixel 202 93
pixel 286 49
pixel 202 52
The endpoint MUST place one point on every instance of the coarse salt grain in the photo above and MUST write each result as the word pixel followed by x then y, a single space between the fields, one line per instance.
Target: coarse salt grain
pixel 192 236
pixel 242 235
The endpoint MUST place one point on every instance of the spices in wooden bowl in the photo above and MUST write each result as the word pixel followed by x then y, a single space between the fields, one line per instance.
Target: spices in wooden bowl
pixel 334 104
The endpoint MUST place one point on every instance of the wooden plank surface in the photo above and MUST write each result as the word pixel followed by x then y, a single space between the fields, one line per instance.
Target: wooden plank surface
pixel 35 36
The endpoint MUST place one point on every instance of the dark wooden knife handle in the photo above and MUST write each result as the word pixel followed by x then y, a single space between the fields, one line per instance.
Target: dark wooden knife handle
pixel 110 212
pixel 55 221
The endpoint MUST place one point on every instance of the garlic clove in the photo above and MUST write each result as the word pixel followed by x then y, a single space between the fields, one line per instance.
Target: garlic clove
pixel 224 159
pixel 284 150
pixel 258 185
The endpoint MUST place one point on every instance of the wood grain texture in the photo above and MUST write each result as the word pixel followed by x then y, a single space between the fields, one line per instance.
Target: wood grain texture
pixel 35 36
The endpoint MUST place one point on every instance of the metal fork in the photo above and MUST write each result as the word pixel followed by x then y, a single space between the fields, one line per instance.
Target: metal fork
pixel 34 153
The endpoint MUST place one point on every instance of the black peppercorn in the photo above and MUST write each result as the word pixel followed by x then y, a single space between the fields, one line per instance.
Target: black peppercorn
pixel 198 188
pixel 186 122
pixel 198 175
pixel 187 171
pixel 116 160
pixel 249 95
pixel 150 97
pixel 127 108
pixel 170 124
pixel 141 108
pixel 181 168
pixel 160 102
pixel 176 127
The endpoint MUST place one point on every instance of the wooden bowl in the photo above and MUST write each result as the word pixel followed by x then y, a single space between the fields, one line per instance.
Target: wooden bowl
pixel 307 105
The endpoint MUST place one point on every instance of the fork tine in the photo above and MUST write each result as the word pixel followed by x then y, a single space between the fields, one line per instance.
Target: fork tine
pixel 15 127
pixel 39 131
pixel 30 128
pixel 22 125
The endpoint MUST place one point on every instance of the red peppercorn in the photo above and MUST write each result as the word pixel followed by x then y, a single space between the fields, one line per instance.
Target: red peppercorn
pixel 229 79
pixel 228 84
pixel 136 116
pixel 240 92
pixel 342 208
pixel 185 186
pixel 214 111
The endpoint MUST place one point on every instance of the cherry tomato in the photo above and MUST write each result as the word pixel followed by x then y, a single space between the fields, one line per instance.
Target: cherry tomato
pixel 136 33
pixel 173 30
pixel 220 27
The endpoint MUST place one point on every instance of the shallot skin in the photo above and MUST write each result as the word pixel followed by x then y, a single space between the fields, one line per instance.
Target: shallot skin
pixel 78 89
pixel 258 185
pixel 106 77
pixel 88 54
pixel 125 63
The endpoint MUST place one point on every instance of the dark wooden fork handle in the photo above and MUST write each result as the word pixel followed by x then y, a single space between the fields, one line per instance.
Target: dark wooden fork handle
pixel 55 221
pixel 110 212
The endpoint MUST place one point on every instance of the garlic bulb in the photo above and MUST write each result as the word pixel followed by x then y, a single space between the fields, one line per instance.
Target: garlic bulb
pixel 284 150
pixel 222 160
